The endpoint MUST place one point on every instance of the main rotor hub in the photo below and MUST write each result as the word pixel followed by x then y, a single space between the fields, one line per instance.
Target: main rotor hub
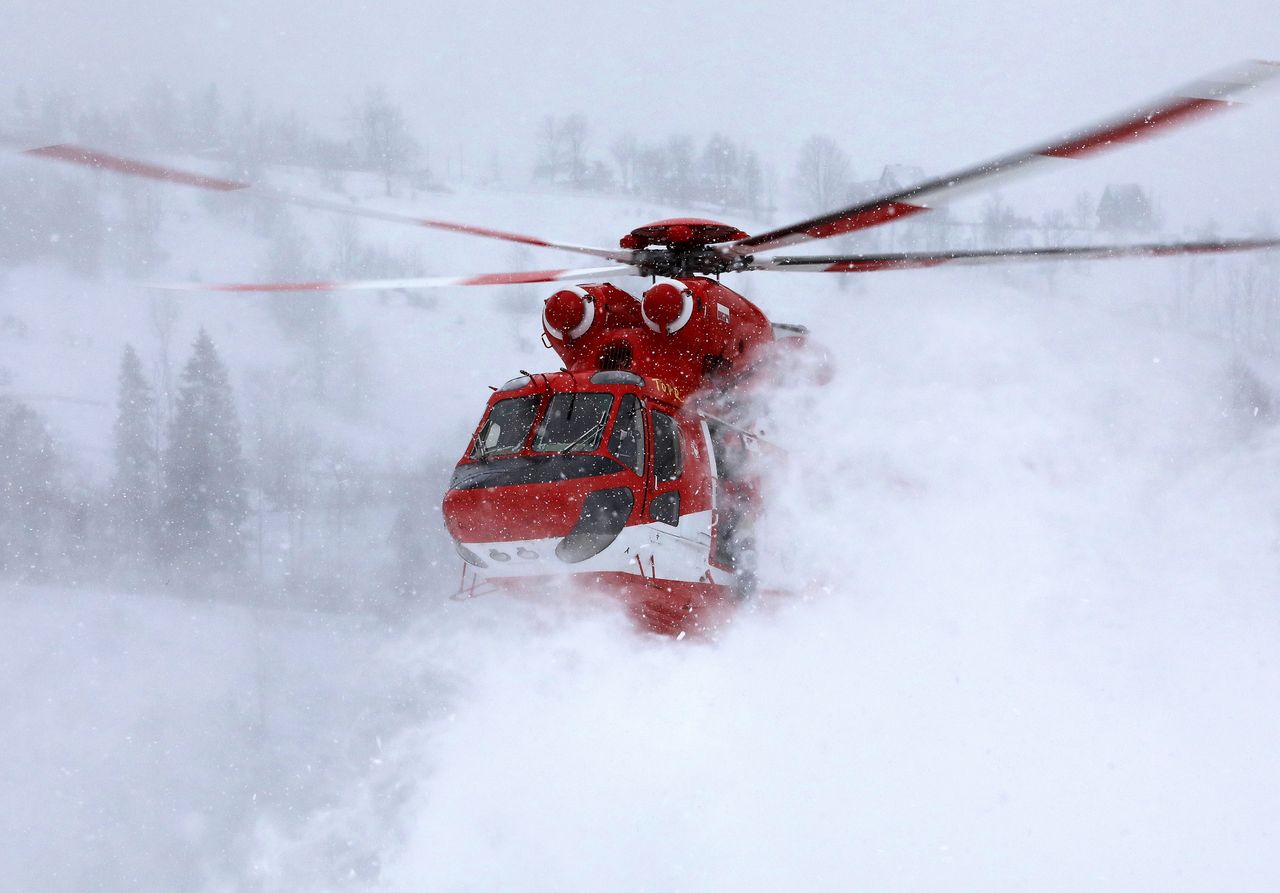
pixel 681 232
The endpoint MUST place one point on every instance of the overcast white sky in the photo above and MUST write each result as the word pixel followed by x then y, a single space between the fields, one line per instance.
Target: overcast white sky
pixel 937 84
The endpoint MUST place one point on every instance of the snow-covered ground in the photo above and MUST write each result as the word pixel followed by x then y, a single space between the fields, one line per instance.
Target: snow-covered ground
pixel 1031 529
pixel 144 735
pixel 1034 647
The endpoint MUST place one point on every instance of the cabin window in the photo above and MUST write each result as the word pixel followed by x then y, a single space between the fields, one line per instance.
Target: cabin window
pixel 507 427
pixel 667 462
pixel 732 452
pixel 627 441
pixel 573 423
pixel 666 508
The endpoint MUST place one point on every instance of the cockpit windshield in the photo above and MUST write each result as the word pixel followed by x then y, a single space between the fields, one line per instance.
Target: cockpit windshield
pixel 507 427
pixel 573 423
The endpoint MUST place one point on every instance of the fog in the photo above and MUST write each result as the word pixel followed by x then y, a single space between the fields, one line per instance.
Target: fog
pixel 911 81
pixel 1019 557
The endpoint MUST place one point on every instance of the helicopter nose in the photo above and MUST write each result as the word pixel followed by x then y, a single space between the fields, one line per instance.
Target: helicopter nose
pixel 499 514
pixel 585 521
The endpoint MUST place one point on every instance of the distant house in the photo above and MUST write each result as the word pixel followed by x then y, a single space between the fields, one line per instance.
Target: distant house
pixel 861 190
pixel 896 177
pixel 1126 206
pixel 423 180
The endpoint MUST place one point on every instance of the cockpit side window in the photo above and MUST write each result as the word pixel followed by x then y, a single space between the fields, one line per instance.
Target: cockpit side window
pixel 733 454
pixel 507 427
pixel 667 461
pixel 573 423
pixel 627 441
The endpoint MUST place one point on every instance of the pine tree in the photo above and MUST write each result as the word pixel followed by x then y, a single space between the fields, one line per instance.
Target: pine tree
pixel 134 487
pixel 205 112
pixel 29 493
pixel 22 105
pixel 204 497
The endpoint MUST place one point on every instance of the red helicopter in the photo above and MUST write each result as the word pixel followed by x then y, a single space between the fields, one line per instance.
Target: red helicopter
pixel 632 467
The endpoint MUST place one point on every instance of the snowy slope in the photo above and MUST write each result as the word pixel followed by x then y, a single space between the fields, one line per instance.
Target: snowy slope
pixel 1032 533
pixel 142 736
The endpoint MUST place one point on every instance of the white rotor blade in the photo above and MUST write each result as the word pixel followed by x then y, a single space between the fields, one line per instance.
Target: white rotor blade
pixel 389 284
pixel 1217 91
pixel 92 158
pixel 869 263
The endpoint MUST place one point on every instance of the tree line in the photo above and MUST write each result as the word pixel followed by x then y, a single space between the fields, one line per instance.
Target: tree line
pixel 719 172
pixel 375 134
pixel 182 497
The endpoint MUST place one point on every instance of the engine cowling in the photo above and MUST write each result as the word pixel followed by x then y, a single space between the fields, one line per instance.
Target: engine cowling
pixel 667 307
pixel 679 331
pixel 569 313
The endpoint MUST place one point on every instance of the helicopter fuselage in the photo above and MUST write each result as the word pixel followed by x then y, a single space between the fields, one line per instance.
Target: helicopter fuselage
pixel 626 470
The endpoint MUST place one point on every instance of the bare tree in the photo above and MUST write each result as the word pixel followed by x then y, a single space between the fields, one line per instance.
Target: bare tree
pixel 1056 224
pixel 205 112
pixel 562 150
pixel 385 143
pixel 753 198
pixel 679 171
pixel 720 169
pixel 822 173
pixel 626 152
pixel 1000 223
pixel 1084 211
pixel 574 130
pixel 550 150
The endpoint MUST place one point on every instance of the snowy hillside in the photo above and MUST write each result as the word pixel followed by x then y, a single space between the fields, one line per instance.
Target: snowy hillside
pixel 64 333
pixel 1030 533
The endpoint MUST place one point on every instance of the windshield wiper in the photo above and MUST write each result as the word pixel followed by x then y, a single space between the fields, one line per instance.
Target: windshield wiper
pixel 594 429
pixel 480 452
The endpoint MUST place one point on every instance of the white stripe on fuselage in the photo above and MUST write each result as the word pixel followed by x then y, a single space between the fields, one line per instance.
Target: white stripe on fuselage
pixel 653 549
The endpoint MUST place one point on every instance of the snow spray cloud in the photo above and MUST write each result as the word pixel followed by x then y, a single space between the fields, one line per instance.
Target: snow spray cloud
pixel 1031 548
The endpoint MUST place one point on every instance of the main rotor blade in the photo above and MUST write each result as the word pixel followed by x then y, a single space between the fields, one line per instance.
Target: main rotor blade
pixel 98 160
pixel 870 263
pixel 1216 91
pixel 391 284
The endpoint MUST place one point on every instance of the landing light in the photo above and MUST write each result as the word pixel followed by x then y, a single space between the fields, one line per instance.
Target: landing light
pixel 468 556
